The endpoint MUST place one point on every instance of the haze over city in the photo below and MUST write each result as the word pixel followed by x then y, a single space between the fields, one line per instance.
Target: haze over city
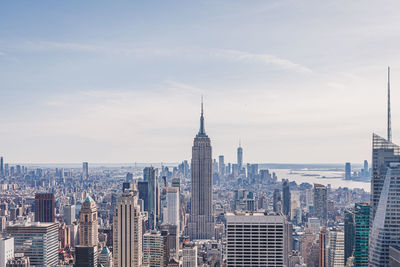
pixel 296 81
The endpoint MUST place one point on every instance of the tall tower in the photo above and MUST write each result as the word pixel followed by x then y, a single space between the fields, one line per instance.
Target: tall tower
pixel 127 231
pixel 201 224
pixel 286 199
pixel 88 233
pixel 150 176
pixel 389 122
pixel 240 157
pixel 85 170
pixel 320 203
pixel 45 207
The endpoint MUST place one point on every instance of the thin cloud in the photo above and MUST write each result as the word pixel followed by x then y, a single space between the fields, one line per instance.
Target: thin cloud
pixel 266 59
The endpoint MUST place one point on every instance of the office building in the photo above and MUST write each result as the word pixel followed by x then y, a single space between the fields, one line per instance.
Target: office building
pixel 105 257
pixel 256 239
pixel 320 203
pixel 85 170
pixel 127 231
pixel 201 222
pixel 150 176
pixel 172 212
pixel 384 231
pixel 221 165
pixel 240 157
pixel 69 214
pixel 1 167
pixel 38 241
pixel 20 261
pixel 349 235
pixel 6 250
pixel 154 253
pixel 189 255
pixel 336 249
pixel 143 194
pixel 361 234
pixel 286 200
pixel 347 171
pixel 44 208
pixel 88 232
pixel 323 239
pixel 394 256
pixel 277 198
pixel 85 256
pixel 171 233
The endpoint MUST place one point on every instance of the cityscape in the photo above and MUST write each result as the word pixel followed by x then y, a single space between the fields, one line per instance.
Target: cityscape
pixel 71 195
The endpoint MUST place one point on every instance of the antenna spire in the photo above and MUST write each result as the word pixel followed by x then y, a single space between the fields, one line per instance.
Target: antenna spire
pixel 202 131
pixel 389 123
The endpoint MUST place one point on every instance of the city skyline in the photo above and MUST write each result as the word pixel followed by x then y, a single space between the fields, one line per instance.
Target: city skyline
pixel 86 92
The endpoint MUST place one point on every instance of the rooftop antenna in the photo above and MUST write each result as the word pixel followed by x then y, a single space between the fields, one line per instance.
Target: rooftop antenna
pixel 389 123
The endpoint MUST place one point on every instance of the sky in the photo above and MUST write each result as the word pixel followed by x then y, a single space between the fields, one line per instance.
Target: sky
pixel 121 81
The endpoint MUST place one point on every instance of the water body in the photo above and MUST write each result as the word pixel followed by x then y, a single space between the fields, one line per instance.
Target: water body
pixel 325 176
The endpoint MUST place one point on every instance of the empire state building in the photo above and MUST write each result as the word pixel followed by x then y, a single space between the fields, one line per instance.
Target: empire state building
pixel 201 223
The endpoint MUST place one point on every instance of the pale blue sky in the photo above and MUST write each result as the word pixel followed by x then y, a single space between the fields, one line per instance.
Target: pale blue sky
pixel 121 81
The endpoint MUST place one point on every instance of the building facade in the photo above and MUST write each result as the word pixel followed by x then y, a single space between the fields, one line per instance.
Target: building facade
pixel 44 207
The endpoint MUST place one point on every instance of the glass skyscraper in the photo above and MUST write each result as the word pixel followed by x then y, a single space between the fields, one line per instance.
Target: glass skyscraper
pixel 361 234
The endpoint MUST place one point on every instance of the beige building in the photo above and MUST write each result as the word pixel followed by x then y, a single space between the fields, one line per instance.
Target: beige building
pixel 88 232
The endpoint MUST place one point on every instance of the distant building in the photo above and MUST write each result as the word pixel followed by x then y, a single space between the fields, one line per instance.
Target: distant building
pixel 240 157
pixel 88 232
pixel 347 171
pixel 150 176
pixel 286 198
pixel 336 249
pixel 320 203
pixel 277 198
pixel 172 214
pixel 349 235
pixel 85 170
pixel 189 255
pixel 44 208
pixel 248 236
pixel 38 241
pixel 69 214
pixel 323 239
pixel 361 234
pixel 221 165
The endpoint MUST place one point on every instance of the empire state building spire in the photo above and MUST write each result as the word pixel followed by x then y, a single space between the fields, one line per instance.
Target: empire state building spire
pixel 389 122
pixel 202 131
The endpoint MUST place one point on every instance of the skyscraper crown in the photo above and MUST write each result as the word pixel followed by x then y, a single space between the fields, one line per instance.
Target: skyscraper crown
pixel 202 131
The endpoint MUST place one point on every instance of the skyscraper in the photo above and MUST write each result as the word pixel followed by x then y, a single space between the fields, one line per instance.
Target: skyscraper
pixel 277 204
pixel 322 248
pixel 349 237
pixel 336 249
pixel 256 239
pixel 201 224
pixel 286 197
pixel 38 241
pixel 320 203
pixel 1 167
pixel 88 233
pixel 44 207
pixel 172 213
pixel 347 171
pixel 385 227
pixel 127 231
pixel 85 170
pixel 240 157
pixel 154 253
pixel 361 234
pixel 69 214
pixel 150 176
pixel 6 250
pixel 221 165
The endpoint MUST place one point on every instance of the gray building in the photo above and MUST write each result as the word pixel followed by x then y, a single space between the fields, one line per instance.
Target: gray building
pixel 240 157
pixel 320 203
pixel 150 176
pixel 286 199
pixel 69 214
pixel 201 224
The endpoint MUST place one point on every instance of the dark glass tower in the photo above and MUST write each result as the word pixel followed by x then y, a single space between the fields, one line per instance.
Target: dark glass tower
pixel 201 224
pixel 361 232
pixel 286 197
pixel 44 207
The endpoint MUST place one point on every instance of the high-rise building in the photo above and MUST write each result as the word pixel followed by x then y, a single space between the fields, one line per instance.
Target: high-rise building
pixel 105 257
pixel 127 231
pixel 221 165
pixel 1 167
pixel 361 234
pixel 394 256
pixel 240 157
pixel 277 198
pixel 256 239
pixel 286 200
pixel 323 239
pixel 85 170
pixel 201 223
pixel 336 249
pixel 172 213
pixel 38 241
pixel 171 233
pixel 88 232
pixel 189 255
pixel 347 171
pixel 320 203
pixel 143 194
pixel 18 261
pixel 86 256
pixel 69 214
pixel 44 207
pixel 384 231
pixel 154 253
pixel 150 176
pixel 6 250
pixel 349 235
